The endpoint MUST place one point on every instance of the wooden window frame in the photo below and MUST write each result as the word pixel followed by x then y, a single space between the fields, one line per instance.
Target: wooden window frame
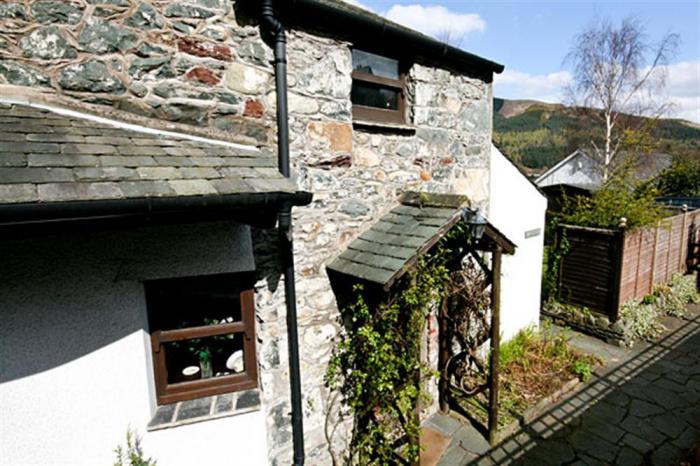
pixel 188 390
pixel 381 115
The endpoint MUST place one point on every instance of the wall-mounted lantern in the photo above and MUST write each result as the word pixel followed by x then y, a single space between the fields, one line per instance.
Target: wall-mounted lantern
pixel 476 221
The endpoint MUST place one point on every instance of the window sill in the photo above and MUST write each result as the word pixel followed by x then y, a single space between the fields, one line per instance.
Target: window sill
pixel 383 126
pixel 204 409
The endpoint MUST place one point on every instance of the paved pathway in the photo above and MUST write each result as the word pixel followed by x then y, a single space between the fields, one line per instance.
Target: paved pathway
pixel 643 409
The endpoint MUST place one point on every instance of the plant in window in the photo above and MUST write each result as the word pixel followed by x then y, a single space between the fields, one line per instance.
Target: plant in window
pixel 203 335
pixel 203 354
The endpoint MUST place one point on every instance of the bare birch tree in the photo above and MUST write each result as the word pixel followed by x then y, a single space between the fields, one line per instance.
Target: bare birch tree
pixel 618 73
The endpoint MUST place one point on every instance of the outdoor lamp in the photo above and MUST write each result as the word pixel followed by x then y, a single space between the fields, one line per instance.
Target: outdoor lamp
pixel 476 221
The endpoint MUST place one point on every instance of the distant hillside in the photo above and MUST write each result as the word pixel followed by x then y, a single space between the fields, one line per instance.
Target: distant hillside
pixel 537 135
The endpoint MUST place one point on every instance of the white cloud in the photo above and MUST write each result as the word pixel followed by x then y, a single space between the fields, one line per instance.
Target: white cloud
pixel 512 84
pixel 683 90
pixel 436 20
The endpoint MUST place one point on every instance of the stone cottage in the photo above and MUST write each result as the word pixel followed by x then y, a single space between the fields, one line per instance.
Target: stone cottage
pixel 171 105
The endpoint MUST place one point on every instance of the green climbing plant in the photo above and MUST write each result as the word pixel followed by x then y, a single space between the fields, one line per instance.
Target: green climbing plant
pixel 550 267
pixel 376 365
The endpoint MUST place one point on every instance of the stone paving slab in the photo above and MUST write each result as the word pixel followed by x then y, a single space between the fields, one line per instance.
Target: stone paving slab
pixel 642 408
pixel 433 443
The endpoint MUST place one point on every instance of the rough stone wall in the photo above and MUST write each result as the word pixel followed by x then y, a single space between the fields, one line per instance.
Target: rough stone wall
pixel 196 63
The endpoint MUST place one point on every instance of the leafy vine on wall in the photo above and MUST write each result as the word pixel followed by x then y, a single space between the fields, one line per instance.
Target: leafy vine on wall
pixel 376 365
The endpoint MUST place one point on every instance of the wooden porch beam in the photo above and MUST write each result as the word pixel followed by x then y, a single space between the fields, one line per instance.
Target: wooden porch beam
pixel 495 343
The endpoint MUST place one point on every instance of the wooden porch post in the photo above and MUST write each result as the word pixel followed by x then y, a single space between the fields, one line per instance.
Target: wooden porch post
pixel 495 343
pixel 444 340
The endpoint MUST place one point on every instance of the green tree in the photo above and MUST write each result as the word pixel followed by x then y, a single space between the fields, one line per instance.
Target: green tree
pixel 680 179
pixel 619 198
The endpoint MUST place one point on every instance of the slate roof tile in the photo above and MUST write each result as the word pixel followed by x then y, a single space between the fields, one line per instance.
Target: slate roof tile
pixel 54 156
pixel 392 245
pixel 382 253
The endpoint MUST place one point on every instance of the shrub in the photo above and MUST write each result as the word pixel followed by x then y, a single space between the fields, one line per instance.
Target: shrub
pixel 685 286
pixel 672 298
pixel 618 198
pixel 640 321
pixel 133 455
pixel 668 301
pixel 680 179
pixel 582 368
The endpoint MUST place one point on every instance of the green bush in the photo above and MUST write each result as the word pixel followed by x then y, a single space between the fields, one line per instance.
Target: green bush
pixel 620 197
pixel 681 179
pixel 582 368
pixel 668 301
pixel 685 286
pixel 672 298
pixel 640 321
pixel 133 454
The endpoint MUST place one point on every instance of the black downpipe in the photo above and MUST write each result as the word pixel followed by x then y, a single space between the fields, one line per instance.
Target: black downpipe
pixel 276 30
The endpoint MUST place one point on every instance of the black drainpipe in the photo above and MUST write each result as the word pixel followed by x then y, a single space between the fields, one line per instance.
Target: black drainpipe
pixel 274 28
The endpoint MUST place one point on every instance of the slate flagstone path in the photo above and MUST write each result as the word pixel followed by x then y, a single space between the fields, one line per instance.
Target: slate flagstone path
pixel 643 410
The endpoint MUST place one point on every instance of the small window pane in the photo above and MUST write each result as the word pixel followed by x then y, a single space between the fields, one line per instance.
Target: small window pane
pixel 375 64
pixel 374 96
pixel 204 358
pixel 194 302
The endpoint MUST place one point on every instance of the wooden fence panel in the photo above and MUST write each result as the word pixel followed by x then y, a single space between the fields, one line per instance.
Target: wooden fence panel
pixel 661 256
pixel 589 268
pixel 605 268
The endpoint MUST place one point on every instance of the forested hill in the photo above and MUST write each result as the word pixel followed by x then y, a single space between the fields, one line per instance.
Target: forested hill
pixel 537 135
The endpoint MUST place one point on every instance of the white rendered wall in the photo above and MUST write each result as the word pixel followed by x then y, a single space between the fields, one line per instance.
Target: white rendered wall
pixel 75 362
pixel 230 441
pixel 517 207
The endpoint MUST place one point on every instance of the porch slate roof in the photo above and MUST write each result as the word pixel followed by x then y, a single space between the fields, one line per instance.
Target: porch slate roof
pixel 49 155
pixel 384 252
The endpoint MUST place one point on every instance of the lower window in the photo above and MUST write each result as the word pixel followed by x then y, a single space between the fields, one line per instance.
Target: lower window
pixel 202 335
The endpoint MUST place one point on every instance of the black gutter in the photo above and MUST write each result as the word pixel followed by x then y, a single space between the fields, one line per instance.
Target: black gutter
pixel 27 213
pixel 272 29
pixel 370 30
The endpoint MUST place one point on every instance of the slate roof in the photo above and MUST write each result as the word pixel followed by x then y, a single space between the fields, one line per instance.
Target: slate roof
pixel 50 156
pixel 383 253
pixel 643 166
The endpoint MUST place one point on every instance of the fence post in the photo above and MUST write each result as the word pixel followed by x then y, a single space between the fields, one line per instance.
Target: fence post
pixel 653 257
pixel 640 240
pixel 620 259
pixel 683 245
pixel 668 253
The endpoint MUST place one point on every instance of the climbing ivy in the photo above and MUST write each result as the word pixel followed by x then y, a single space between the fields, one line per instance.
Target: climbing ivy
pixel 551 263
pixel 376 364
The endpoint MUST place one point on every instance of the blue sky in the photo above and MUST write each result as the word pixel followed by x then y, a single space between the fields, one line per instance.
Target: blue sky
pixel 532 38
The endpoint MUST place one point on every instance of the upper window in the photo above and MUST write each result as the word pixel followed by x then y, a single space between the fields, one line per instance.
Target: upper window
pixel 202 335
pixel 377 88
